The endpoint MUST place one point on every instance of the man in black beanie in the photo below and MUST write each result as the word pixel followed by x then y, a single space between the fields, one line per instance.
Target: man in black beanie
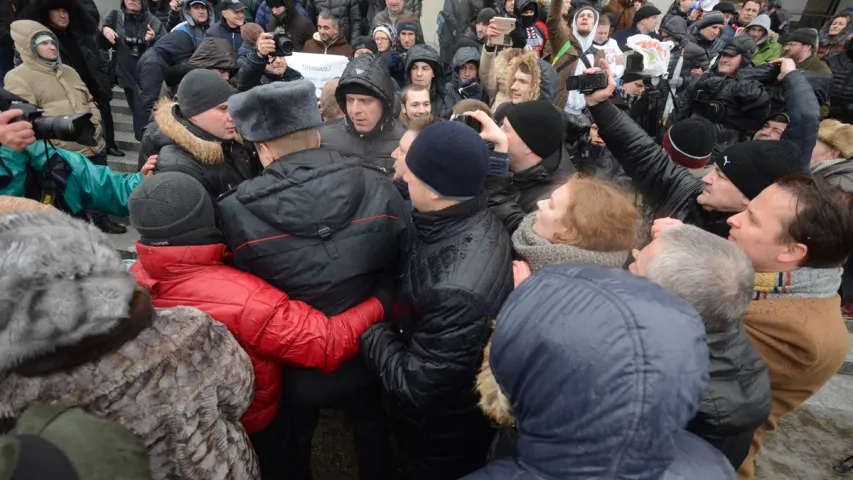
pixel 370 131
pixel 458 275
pixel 740 172
pixel 645 21
pixel 532 135
pixel 196 136
pixel 324 229
pixel 802 48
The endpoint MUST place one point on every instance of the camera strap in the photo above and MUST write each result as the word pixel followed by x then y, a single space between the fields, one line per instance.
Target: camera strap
pixel 582 58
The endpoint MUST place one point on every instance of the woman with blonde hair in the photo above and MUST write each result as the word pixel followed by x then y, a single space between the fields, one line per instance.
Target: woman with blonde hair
pixel 585 220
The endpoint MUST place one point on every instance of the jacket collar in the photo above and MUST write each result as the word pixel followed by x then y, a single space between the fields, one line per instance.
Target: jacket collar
pixel 543 169
pixel 206 149
pixel 65 358
pixel 445 223
pixel 163 263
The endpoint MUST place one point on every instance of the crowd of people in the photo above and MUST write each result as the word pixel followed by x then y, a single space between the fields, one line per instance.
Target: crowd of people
pixel 492 272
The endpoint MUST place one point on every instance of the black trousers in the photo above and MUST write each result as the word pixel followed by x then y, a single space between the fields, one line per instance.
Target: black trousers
pixel 273 447
pixel 107 121
pixel 357 392
pixel 139 119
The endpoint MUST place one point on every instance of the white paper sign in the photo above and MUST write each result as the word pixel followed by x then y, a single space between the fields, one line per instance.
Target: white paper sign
pixel 317 67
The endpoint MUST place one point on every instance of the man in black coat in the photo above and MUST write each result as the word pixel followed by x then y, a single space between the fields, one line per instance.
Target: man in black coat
pixel 369 131
pixel 173 49
pixel 326 230
pixel 532 137
pixel 260 68
pixel 455 281
pixel 196 136
pixel 841 64
pixel 130 31
pixel 741 171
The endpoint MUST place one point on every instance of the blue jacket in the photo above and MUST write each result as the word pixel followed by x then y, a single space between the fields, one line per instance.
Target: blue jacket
pixel 602 371
pixel 87 186
pixel 222 30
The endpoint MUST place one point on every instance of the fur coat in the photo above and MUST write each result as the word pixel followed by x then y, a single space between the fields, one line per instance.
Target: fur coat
pixel 75 329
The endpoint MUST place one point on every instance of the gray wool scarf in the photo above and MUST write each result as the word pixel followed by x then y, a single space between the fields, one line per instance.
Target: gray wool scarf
pixel 538 252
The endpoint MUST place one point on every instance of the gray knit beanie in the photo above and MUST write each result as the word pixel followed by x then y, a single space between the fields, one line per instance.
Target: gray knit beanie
pixel 201 90
pixel 712 18
pixel 168 205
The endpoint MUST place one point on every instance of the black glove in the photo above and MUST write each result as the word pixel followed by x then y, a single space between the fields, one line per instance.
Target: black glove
pixel 384 292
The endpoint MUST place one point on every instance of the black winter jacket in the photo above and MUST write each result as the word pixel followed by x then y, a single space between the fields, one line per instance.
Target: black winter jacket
pixel 8 14
pixel 319 227
pixel 129 26
pixel 745 98
pixel 441 100
pixel 347 12
pixel 175 48
pixel 160 9
pixel 511 198
pixel 738 397
pixel 711 48
pixel 694 55
pixel 222 30
pixel 841 64
pixel 668 188
pixel 373 148
pixel 456 279
pixel 182 147
pixel 253 73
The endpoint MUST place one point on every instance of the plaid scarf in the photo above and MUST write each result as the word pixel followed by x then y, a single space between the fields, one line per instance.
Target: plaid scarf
pixel 800 283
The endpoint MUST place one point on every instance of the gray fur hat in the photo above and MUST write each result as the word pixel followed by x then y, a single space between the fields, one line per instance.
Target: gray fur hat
pixel 61 281
pixel 274 110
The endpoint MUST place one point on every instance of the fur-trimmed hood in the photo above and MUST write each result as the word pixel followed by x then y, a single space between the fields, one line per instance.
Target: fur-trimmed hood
pixel 200 144
pixel 80 21
pixel 836 40
pixel 600 370
pixel 837 135
pixel 61 282
pixel 529 61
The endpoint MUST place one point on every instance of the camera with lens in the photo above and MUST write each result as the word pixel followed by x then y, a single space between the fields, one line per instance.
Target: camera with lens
pixel 135 45
pixel 283 43
pixel 70 128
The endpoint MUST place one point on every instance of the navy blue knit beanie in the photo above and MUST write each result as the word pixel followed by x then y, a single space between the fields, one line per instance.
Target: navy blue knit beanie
pixel 451 159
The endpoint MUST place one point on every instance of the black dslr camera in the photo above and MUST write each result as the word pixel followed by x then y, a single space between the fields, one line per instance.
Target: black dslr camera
pixel 135 45
pixel 70 128
pixel 283 44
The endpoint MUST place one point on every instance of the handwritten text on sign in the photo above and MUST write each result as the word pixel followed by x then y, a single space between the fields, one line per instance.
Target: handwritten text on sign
pixel 317 67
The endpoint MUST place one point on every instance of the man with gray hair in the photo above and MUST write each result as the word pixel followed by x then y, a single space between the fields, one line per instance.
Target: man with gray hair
pixel 717 279
pixel 328 40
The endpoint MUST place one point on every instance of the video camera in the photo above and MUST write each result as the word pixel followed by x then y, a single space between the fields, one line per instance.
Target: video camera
pixel 69 128
pixel 283 43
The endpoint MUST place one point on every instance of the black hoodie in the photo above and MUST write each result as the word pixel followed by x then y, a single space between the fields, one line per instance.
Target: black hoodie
pixel 129 26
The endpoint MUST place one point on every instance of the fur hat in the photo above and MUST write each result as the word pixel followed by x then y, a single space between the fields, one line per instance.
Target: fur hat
pixel 837 135
pixel 61 281
pixel 274 110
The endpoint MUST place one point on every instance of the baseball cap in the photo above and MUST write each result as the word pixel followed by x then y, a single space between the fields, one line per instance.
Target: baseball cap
pixel 741 45
pixel 234 5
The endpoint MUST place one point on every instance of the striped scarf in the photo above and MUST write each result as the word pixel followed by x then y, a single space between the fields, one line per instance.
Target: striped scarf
pixel 800 283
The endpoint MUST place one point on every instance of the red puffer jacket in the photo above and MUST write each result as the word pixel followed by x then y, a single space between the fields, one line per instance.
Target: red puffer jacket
pixel 272 328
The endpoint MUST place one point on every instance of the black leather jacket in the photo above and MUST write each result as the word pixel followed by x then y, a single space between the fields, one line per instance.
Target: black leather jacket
pixel 841 104
pixel 319 227
pixel 455 281
pixel 667 187
pixel 738 397
pixel 512 198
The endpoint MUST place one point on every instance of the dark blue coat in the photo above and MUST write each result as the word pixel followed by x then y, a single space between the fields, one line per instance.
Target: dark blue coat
pixel 602 370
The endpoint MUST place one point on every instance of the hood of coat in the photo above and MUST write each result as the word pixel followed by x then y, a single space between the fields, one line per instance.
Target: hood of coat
pixel 594 361
pixel 211 15
pixel 326 193
pixel 676 26
pixel 464 55
pixel 145 8
pixel 368 71
pixel 215 52
pixel 428 55
pixel 61 281
pixel 23 34
pixel 825 38
pixel 169 262
pixel 190 138
pixel 762 21
pixel 80 21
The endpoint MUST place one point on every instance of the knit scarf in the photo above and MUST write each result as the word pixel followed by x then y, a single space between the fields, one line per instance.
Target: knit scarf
pixel 538 252
pixel 800 283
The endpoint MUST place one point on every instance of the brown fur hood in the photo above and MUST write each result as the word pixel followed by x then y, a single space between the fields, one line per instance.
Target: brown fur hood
pixel 188 137
pixel 529 61
pixel 493 402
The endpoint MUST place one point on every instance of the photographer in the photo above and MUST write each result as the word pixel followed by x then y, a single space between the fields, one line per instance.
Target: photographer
pixel 129 32
pixel 73 183
pixel 262 67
